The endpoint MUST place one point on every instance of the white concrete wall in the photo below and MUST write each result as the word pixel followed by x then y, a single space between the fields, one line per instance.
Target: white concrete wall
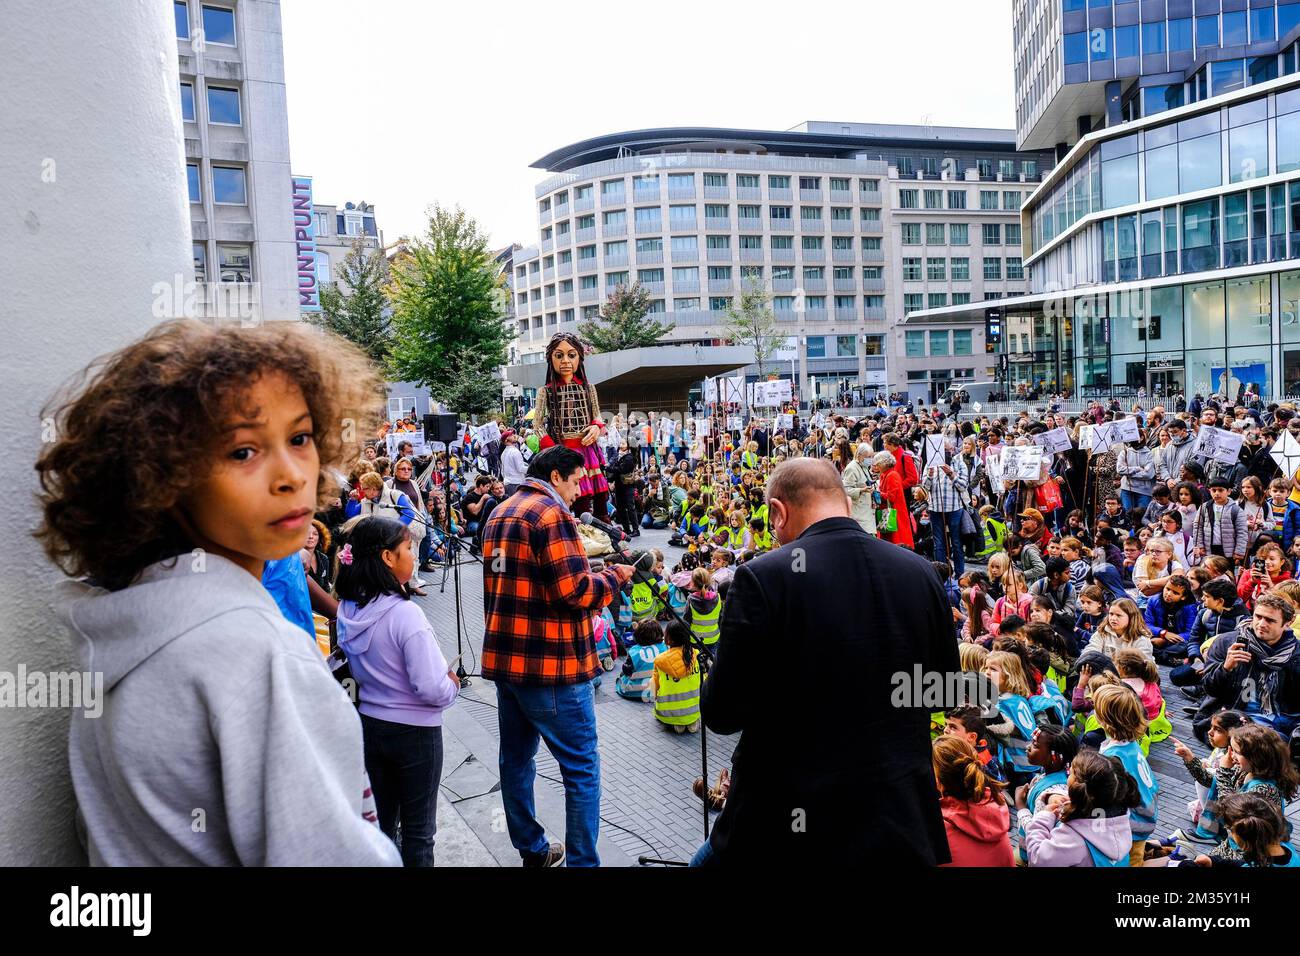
pixel 92 145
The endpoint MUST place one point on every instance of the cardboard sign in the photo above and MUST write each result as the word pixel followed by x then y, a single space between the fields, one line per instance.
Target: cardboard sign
pixel 489 433
pixel 734 423
pixel 1054 442
pixel 1286 452
pixel 1021 462
pixel 702 427
pixel 784 422
pixel 1218 445
pixel 932 449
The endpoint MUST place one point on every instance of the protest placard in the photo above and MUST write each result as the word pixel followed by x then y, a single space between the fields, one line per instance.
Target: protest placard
pixel 1021 462
pixel 1054 441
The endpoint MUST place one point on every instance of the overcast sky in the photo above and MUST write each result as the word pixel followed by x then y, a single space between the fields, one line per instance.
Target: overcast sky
pixel 403 103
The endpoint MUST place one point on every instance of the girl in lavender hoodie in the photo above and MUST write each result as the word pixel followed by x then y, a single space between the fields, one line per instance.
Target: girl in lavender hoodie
pixel 1092 827
pixel 403 681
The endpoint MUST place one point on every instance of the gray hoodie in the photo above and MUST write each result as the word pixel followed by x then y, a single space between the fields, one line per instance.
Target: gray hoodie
pixel 224 740
pixel 1171 458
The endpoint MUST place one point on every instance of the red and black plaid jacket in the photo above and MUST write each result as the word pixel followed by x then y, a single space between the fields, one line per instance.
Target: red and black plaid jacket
pixel 539 593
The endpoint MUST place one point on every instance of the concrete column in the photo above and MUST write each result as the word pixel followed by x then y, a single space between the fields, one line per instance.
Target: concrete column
pixel 92 151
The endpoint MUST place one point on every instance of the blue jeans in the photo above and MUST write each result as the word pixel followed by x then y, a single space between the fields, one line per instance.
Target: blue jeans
pixel 952 545
pixel 565 717
pixel 706 856
pixel 1131 499
pixel 404 763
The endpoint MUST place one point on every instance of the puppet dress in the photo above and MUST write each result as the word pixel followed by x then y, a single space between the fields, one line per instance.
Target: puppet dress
pixel 565 412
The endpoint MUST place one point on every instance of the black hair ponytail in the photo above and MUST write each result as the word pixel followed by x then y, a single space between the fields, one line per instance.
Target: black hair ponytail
pixel 363 575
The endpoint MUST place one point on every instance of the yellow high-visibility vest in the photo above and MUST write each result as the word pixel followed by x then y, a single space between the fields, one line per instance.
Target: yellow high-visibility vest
pixel 678 701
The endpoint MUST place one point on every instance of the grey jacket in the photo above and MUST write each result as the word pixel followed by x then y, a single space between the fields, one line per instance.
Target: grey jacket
pixel 1232 532
pixel 224 740
pixel 1136 468
pixel 1172 457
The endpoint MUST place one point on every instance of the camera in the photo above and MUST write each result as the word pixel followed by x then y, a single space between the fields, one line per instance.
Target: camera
pixel 1258 565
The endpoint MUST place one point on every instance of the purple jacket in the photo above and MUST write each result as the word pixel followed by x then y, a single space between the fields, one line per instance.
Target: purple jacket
pixel 1051 843
pixel 395 659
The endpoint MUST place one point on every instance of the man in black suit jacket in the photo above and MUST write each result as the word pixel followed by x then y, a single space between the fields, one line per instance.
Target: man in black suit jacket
pixel 827 769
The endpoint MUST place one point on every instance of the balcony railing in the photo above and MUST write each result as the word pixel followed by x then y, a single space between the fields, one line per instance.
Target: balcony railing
pixel 564 269
pixel 841 225
pixel 812 225
pixel 549 301
pixel 845 314
pixel 585 235
pixel 565 298
pixel 652 225
pixel 751 255
pixel 874 313
pixel 649 257
pixel 873 285
pixel 873 227
pixel 783 255
pixel 588 295
pixel 814 255
pixel 720 285
pixel 654 288
pixel 610 262
pixel 814 285
pixel 685 285
pixel 749 192
pixel 841 195
pixel 719 255
pixel 786 315
pixel 681 192
pixel 683 225
pixel 645 195
pixel 587 265
pixel 717 223
pixel 544 215
pixel 686 255
pixel 783 225
pixel 613 200
pixel 845 285
pixel 548 245
pixel 563 239
pixel 748 224
pixel 816 315
pixel 778 195
pixel 810 195
pixel 873 255
pixel 717 192
pixel 870 197
pixel 611 229
pixel 548 274
pixel 783 285
pixel 582 205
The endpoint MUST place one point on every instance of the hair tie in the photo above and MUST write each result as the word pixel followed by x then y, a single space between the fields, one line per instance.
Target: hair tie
pixel 345 555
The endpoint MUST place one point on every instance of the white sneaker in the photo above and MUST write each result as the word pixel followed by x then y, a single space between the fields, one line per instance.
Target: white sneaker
pixel 415 582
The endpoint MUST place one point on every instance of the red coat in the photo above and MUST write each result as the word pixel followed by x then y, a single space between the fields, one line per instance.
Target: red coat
pixel 977 832
pixel 891 490
pixel 906 465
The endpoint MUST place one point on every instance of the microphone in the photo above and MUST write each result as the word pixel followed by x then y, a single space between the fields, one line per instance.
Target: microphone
pixel 614 531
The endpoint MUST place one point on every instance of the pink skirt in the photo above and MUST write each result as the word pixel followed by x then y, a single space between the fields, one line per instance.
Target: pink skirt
pixel 593 480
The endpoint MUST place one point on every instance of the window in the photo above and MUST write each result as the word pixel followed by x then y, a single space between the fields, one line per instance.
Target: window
pixel 716 211
pixel 956 199
pixel 839 184
pixel 814 273
pixel 958 234
pixel 200 262
pixel 1200 235
pixel 746 181
pixel 1015 268
pixel 322 224
pixel 187 102
pixel 720 273
pixel 1076 48
pixel 911 233
pixel 1261 25
pixel 991 233
pixel 616 250
pixel 182 20
pixel 228 185
pixel 936 300
pixel 869 185
pixel 873 345
pixel 780 213
pixel 647 214
pixel 717 242
pixel 616 217
pixel 870 215
pixel 719 303
pixel 907 198
pixel 915 340
pixel 686 275
pixel 960 269
pixel 911 268
pixel 192 176
pixel 1180 35
pixel 648 183
pixel 782 303
pixel 681 216
pixel 936 270
pixel 939 342
pixel 992 267
pixel 961 298
pixel 613 279
pixel 715 180
pixel 611 187
pixel 1207 31
pixel 810 182
pixel 988 199
pixel 1248 151
pixel 587 253
pixel 846 346
pixel 842 213
pixel 934 234
pixel 1119 166
pixel 1126 41
pixel 778 182
pixel 752 242
pixel 812 243
pixel 687 244
pixel 1153 38
pixel 683 181
pixel 934 199
pixel 649 275
pixel 583 192
pixel 223 106
pixel 783 242
pixel 1011 200
pixel 235 262
pixel 219 25
pixel 810 213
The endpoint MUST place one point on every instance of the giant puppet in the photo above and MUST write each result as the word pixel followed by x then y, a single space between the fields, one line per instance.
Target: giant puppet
pixel 568 413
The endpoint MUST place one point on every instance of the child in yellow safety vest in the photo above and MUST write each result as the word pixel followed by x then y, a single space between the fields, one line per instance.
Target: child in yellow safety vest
pixel 760 539
pixel 704 607
pixel 676 681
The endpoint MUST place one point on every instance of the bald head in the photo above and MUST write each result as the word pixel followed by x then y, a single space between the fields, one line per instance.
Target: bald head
pixel 801 492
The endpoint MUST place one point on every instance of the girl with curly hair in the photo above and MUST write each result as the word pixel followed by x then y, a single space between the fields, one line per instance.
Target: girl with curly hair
pixel 184 464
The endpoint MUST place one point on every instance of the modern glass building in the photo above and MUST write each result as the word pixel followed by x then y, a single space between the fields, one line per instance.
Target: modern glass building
pixel 1163 250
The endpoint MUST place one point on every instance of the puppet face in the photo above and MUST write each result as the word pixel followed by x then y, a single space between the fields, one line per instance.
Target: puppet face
pixel 565 358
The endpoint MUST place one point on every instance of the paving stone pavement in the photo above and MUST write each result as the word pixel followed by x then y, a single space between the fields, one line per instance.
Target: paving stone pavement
pixel 647 808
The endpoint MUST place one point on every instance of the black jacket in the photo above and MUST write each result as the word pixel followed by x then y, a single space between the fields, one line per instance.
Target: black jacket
pixel 1229 687
pixel 828 770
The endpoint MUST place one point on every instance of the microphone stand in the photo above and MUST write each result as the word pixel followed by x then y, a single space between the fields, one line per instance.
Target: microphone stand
pixel 451 541
pixel 706 660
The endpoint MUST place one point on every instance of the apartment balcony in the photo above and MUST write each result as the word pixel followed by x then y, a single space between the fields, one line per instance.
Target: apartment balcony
pixel 810 195
pixel 782 285
pixel 683 225
pixel 873 227
pixel 779 195
pixel 549 302
pixel 844 285
pixel 545 215
pixel 586 266
pixel 719 255
pixel 561 210
pixel 645 195
pixel 754 193
pixel 650 257
pixel 751 255
pixel 644 227
pixel 547 245
pixel 609 262
pixel 873 255
pixel 612 229
pixel 841 225
pixel 873 285
pixel 786 315
pixel 548 275
pixel 812 225
pixel 585 235
pixel 681 192
pixel 654 288
pixel 564 269
pixel 685 285
pixel 536 305
pixel 582 205
pixel 843 255
pixel 717 192
pixel 720 285
pixel 565 298
pixel 870 197
pixel 845 314
pixel 874 313
pixel 816 315
pixel 588 295
pixel 717 224
pixel 814 255
pixel 783 225
pixel 749 225
pixel 614 200
pixel 686 255
pixel 696 317
pixel 814 285
pixel 783 255
pixel 841 195
pixel 567 327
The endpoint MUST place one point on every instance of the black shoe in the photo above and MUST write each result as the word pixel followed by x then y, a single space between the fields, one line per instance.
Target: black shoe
pixel 1194 692
pixel 1189 711
pixel 428 566
pixel 554 856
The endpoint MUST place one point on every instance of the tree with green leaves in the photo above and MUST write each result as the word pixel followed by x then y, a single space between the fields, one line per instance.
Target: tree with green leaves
pixel 450 332
pixel 359 310
pixel 752 323
pixel 623 323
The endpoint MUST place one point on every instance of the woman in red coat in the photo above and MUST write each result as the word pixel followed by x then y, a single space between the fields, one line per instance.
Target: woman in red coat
pixel 892 496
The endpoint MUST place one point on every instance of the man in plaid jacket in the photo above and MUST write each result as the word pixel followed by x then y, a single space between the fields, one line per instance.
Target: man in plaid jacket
pixel 539 597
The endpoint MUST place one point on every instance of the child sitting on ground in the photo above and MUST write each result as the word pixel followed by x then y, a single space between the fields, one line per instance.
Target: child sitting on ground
pixel 634 683
pixel 1207 827
pixel 1014 725
pixel 1052 748
pixel 974 816
pixel 1092 827
pixel 676 681
pixel 1139 672
pixel 1092 611
pixel 703 607
pixel 1120 713
pixel 967 722
pixel 1257 830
